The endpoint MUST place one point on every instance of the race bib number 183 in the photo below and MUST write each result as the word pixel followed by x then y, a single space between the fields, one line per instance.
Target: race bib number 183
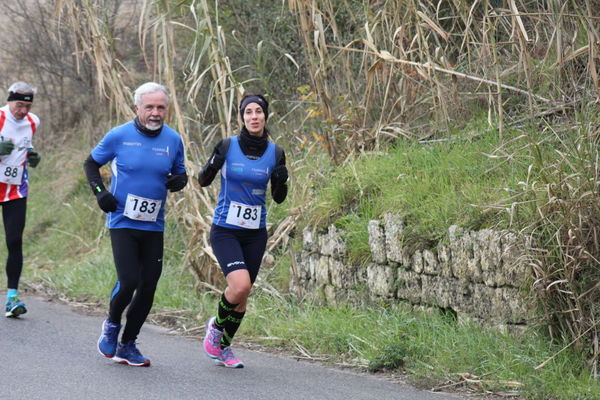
pixel 141 209
pixel 243 215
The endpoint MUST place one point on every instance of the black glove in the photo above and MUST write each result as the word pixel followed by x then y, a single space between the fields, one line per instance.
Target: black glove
pixel 6 147
pixel 279 175
pixel 176 182
pixel 33 158
pixel 107 201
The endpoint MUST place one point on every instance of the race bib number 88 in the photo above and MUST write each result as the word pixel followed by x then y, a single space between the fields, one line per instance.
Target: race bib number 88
pixel 141 209
pixel 11 174
pixel 243 215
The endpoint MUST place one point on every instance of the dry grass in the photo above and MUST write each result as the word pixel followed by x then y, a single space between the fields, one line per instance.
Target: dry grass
pixel 381 72
pixel 413 62
pixel 567 258
pixel 532 58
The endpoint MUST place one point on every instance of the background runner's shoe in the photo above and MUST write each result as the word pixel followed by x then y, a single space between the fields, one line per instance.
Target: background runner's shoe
pixel 228 360
pixel 128 353
pixel 107 343
pixel 212 339
pixel 15 307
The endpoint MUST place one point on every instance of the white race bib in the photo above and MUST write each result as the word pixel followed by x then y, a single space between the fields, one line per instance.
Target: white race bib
pixel 141 209
pixel 11 174
pixel 243 215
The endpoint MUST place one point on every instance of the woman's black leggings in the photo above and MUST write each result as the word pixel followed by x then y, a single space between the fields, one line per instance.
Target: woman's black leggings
pixel 138 260
pixel 13 217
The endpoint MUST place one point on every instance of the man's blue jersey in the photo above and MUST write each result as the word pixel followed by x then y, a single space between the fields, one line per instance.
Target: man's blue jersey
pixel 140 165
pixel 244 182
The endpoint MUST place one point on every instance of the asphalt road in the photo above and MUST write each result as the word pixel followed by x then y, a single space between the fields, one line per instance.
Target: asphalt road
pixel 50 353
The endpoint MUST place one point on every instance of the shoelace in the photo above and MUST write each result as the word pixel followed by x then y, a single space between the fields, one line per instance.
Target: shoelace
pixel 227 354
pixel 215 336
pixel 132 349
pixel 135 351
pixel 111 330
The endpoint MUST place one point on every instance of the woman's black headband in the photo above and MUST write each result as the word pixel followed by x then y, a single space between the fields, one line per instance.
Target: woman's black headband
pixel 254 98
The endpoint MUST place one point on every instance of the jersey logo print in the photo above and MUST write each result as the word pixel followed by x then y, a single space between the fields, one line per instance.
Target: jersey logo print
pixel 161 151
pixel 260 171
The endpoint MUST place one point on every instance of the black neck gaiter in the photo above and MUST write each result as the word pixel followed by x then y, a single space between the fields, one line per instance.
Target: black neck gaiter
pixel 253 147
pixel 145 131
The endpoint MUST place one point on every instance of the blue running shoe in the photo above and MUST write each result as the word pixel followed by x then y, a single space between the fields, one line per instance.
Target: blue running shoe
pixel 128 353
pixel 107 343
pixel 15 307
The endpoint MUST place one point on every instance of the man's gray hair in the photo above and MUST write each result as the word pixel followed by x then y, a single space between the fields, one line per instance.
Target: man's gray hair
pixel 22 87
pixel 148 87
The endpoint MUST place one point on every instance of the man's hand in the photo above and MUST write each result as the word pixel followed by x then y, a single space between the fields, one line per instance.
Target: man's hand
pixel 6 148
pixel 33 158
pixel 107 201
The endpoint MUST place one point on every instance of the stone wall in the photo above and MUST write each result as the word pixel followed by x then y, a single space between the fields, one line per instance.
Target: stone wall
pixel 478 275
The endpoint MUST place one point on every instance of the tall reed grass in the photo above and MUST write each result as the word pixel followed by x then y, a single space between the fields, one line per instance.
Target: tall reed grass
pixel 527 62
pixel 387 71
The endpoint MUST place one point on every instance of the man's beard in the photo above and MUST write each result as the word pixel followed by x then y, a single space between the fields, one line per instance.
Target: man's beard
pixel 153 125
